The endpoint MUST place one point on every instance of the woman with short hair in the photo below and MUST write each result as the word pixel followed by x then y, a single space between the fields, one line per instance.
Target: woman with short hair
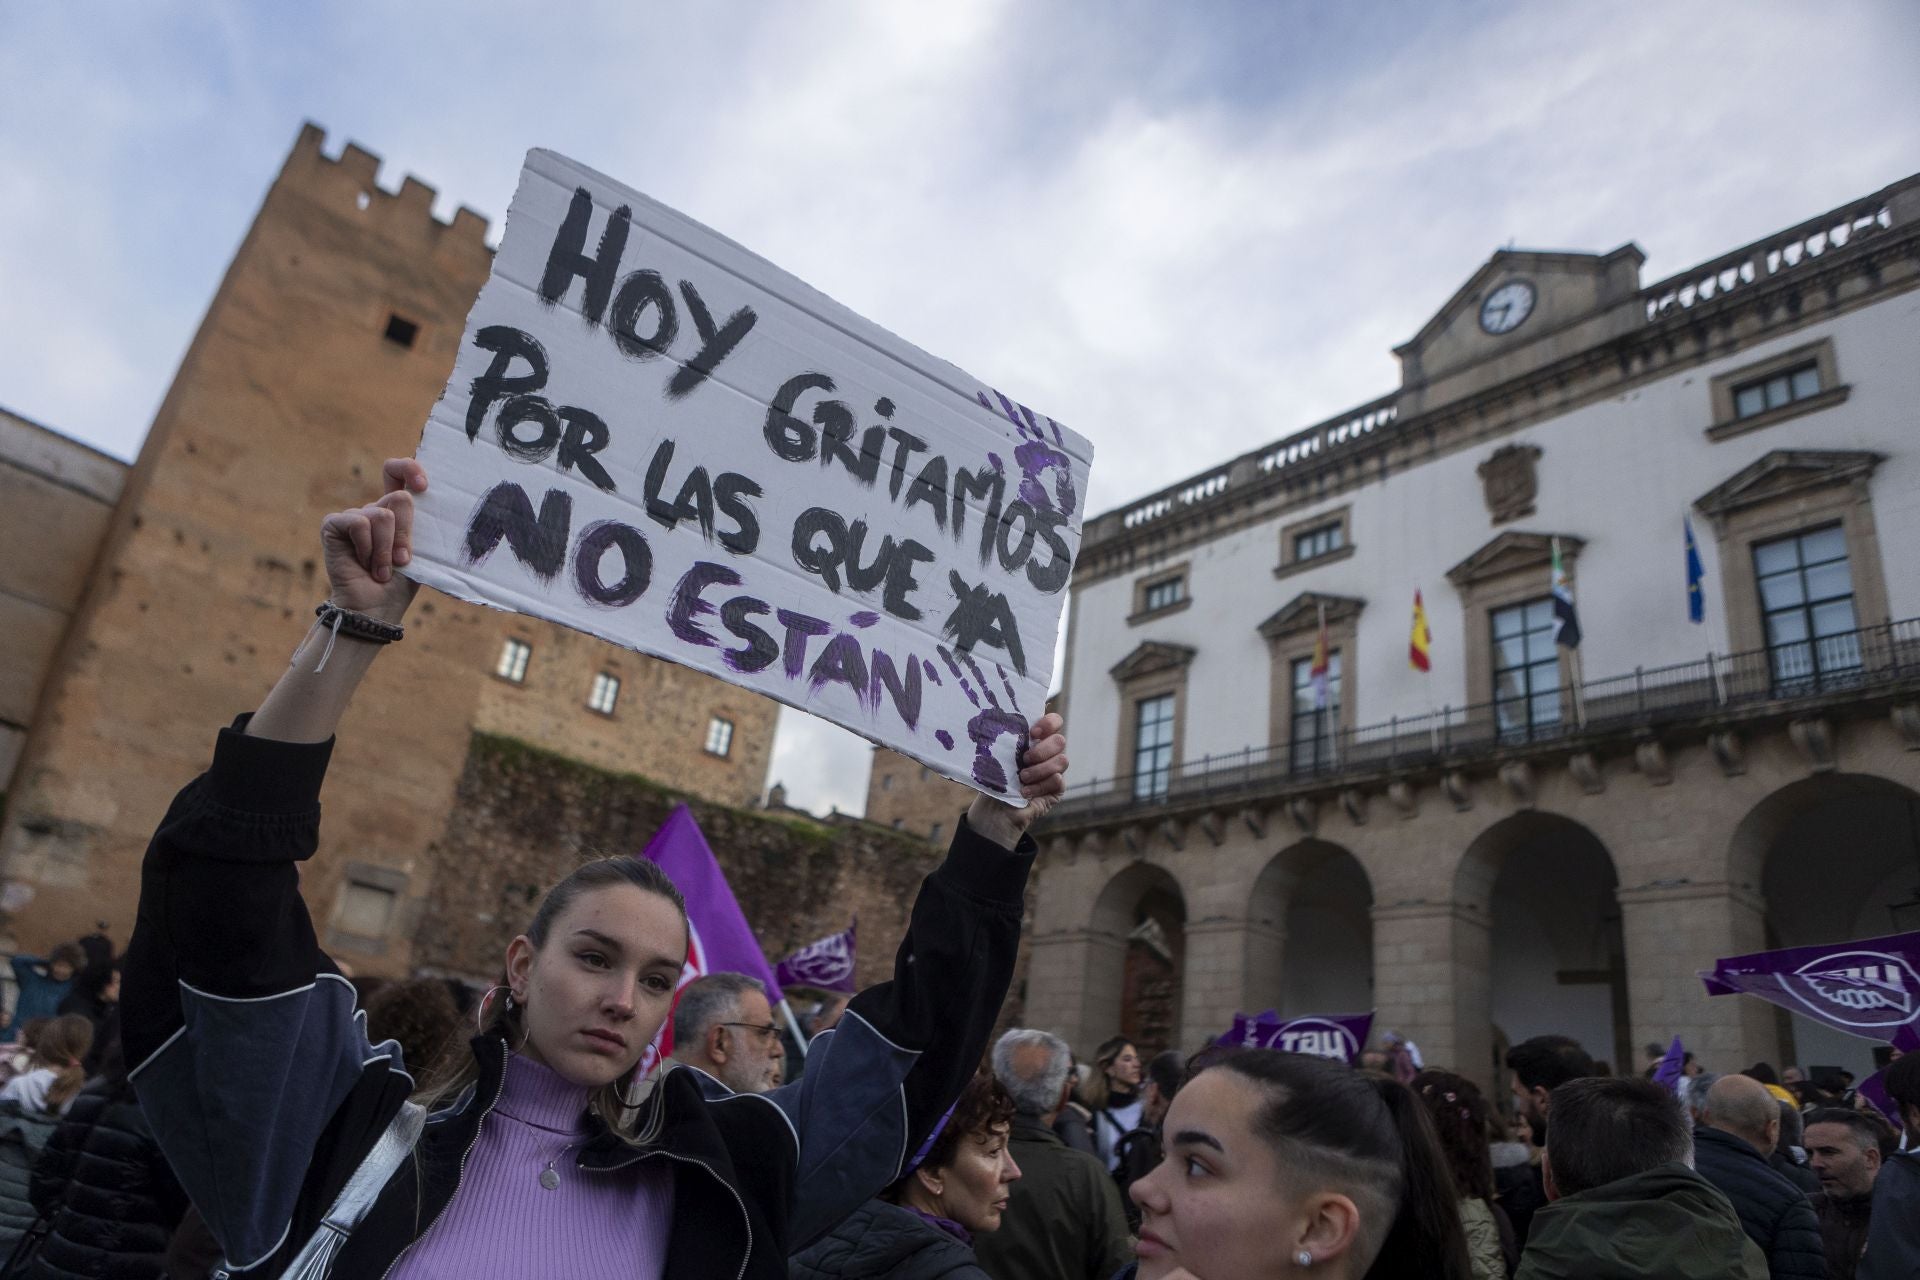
pixel 922 1227
pixel 1285 1165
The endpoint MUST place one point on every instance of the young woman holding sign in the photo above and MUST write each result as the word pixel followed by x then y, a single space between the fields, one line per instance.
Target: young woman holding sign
pixel 297 1138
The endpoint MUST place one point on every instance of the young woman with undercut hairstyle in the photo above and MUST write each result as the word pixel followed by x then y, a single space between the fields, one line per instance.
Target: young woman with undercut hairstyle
pixel 1285 1165
pixel 299 1140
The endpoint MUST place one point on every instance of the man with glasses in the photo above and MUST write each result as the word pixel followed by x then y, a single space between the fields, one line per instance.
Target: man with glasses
pixel 724 1026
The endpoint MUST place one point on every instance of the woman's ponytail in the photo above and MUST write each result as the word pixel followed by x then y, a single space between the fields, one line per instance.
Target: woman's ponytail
pixel 63 1046
pixel 1426 1239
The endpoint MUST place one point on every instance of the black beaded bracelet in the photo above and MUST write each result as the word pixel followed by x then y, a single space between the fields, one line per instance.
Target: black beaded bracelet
pixel 345 622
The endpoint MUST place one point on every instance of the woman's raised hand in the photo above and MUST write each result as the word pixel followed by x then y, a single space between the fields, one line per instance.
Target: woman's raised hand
pixel 1043 779
pixel 364 546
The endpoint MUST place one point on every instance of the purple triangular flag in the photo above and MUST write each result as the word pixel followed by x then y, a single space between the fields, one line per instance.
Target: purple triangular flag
pixel 1868 988
pixel 722 942
pixel 826 965
pixel 1666 1072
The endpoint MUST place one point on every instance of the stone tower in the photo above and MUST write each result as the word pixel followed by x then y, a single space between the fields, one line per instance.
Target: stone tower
pixel 325 346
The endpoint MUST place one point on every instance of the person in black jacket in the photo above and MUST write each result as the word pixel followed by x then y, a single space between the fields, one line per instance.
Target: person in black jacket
pixel 923 1226
pixel 1740 1123
pixel 262 1088
pixel 110 1196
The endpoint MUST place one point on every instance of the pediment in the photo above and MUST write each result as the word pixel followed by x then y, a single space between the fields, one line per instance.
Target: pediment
pixel 1302 613
pixel 1513 552
pixel 1785 472
pixel 1566 288
pixel 1152 656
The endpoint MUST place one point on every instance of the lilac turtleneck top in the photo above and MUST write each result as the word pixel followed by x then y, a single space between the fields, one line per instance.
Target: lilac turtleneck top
pixel 503 1223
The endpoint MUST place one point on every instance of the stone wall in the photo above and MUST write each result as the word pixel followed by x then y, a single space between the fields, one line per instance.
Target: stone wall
pixel 907 796
pixel 522 818
pixel 56 497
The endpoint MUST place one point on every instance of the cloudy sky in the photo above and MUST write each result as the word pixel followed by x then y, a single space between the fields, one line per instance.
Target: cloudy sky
pixel 1182 229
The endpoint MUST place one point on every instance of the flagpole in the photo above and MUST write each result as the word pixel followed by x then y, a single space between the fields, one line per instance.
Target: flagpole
pixel 793 1025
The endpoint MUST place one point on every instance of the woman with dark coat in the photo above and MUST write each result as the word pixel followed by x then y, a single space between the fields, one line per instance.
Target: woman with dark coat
pixel 304 1145
pixel 111 1196
pixel 922 1227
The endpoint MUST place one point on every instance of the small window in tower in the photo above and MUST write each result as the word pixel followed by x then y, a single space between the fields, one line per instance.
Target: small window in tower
pixel 401 331
pixel 605 694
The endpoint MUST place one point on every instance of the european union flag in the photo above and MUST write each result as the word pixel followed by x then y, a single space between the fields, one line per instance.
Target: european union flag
pixel 1696 598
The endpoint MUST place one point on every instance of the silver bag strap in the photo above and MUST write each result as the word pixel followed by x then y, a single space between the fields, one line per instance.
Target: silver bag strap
pixel 315 1260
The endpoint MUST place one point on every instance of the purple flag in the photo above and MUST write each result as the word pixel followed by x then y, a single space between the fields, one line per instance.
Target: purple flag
pixel 1874 1090
pixel 720 942
pixel 1868 988
pixel 1332 1035
pixel 826 965
pixel 1666 1072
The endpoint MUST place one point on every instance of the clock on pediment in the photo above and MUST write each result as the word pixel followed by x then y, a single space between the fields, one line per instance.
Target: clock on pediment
pixel 1507 307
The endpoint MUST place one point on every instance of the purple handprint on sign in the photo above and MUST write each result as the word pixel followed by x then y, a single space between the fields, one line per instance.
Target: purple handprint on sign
pixel 992 724
pixel 1037 456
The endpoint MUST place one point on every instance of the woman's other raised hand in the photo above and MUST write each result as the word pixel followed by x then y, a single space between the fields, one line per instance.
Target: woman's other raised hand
pixel 1043 779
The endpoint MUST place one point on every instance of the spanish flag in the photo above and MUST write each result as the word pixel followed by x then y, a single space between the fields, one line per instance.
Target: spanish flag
pixel 1419 653
pixel 1321 670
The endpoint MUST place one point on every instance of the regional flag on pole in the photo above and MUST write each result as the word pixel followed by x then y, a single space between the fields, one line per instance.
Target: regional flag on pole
pixel 1696 598
pixel 1420 650
pixel 1322 661
pixel 1566 630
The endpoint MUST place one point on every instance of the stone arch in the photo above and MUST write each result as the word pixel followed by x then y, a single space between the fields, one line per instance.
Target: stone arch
pixel 1781 851
pixel 1135 981
pixel 1312 919
pixel 1538 946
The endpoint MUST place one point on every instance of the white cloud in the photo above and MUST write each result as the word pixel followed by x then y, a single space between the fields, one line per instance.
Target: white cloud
pixel 1184 233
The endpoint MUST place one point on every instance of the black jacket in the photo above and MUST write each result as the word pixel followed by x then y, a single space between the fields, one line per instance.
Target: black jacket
pixel 882 1241
pixel 1773 1212
pixel 110 1194
pixel 23 1136
pixel 257 1075
pixel 1893 1236
pixel 1798 1174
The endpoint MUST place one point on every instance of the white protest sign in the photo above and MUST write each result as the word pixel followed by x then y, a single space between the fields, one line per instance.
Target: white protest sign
pixel 655 436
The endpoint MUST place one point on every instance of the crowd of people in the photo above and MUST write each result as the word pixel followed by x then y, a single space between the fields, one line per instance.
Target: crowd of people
pixel 251 1110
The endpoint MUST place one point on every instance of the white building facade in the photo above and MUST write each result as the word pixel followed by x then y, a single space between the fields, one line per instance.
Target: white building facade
pixel 1525 838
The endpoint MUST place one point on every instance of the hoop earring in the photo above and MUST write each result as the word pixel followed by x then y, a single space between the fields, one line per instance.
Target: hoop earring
pixel 480 1011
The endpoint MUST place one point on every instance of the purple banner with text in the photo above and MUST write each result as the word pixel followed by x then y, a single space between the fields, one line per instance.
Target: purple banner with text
pixel 1324 1035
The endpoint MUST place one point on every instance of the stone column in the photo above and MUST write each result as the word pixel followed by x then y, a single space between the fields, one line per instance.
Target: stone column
pixel 1073 986
pixel 1432 964
pixel 1233 966
pixel 1672 932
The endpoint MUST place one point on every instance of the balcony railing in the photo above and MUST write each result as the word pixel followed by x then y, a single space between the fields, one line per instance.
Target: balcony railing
pixel 1863 661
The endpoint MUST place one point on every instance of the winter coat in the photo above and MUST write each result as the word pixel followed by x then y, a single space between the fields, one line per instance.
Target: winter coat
pixel 262 1088
pixel 1843 1231
pixel 23 1136
pixel 1893 1236
pixel 1063 1220
pixel 111 1196
pixel 1793 1171
pixel 1521 1190
pixel 882 1241
pixel 1668 1223
pixel 1773 1212
pixel 1483 1239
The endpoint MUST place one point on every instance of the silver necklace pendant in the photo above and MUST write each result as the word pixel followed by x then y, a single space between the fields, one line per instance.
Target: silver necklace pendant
pixel 550 1178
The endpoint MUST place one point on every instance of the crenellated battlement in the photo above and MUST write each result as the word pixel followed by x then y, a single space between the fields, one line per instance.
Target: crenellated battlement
pixel 350 186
